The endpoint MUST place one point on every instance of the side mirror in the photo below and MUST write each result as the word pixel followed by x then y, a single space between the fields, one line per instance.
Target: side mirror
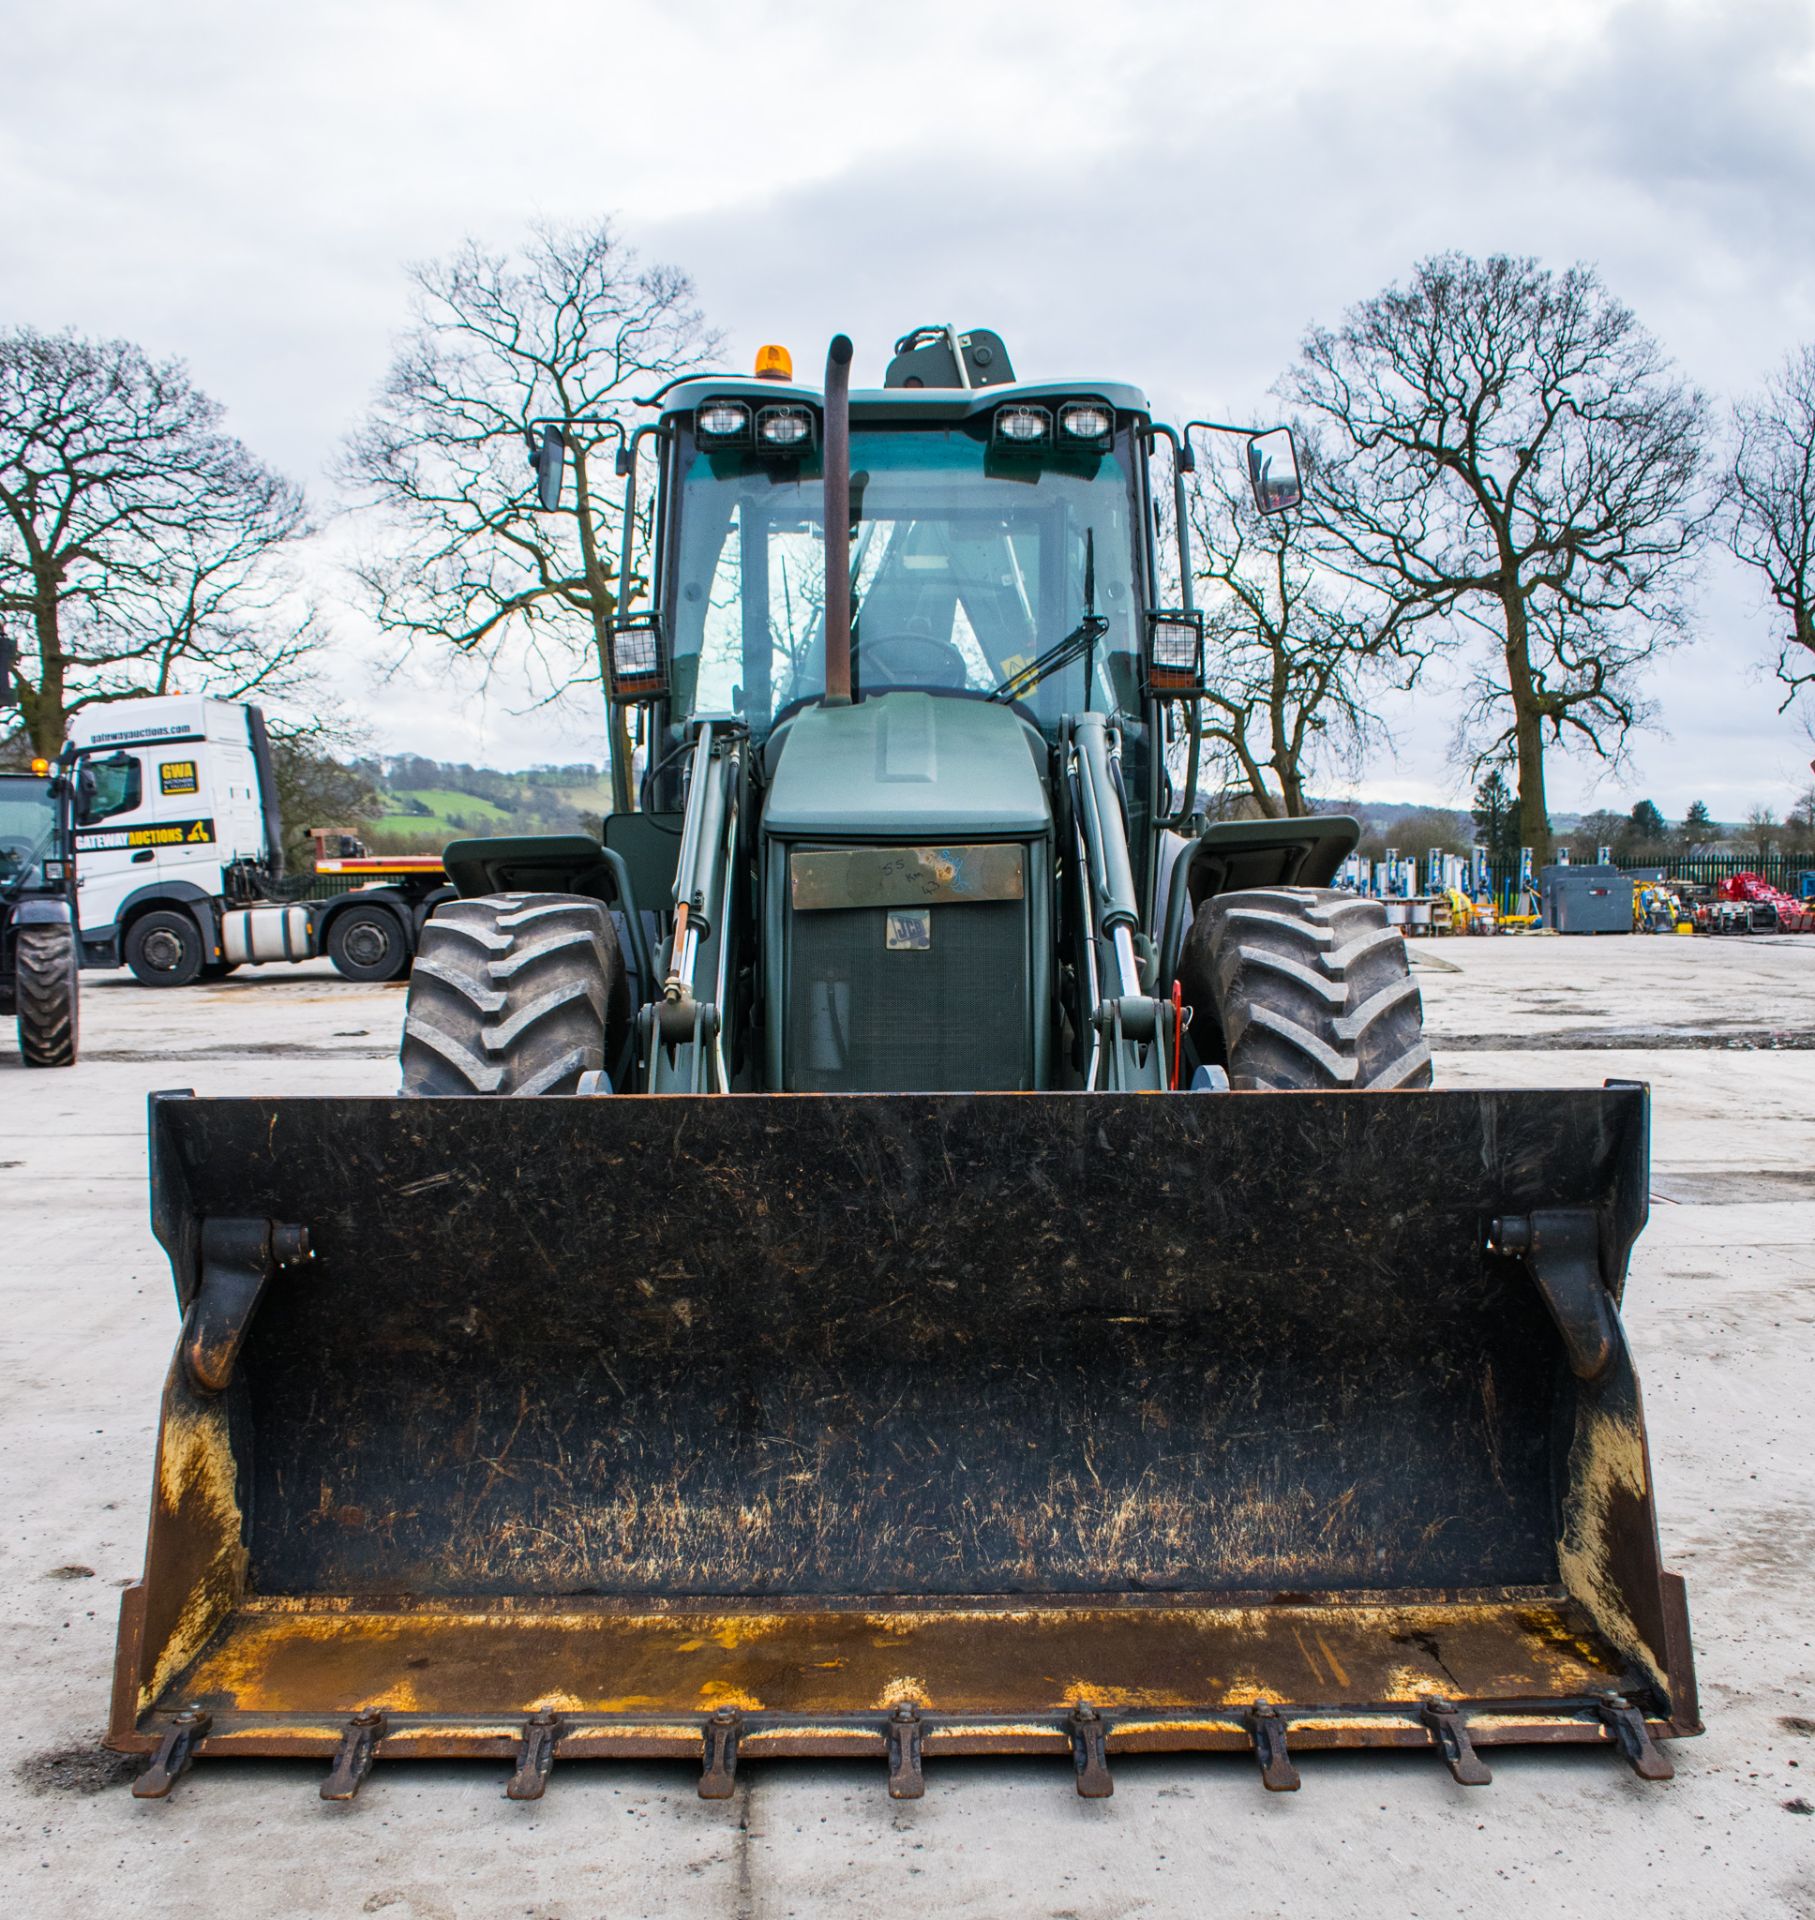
pixel 85 793
pixel 549 460
pixel 1273 471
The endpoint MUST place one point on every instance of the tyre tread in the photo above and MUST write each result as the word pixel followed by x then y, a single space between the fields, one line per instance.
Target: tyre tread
pixel 1305 988
pixel 46 995
pixel 514 995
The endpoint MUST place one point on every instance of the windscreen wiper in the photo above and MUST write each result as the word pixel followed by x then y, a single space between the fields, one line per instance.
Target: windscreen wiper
pixel 1078 643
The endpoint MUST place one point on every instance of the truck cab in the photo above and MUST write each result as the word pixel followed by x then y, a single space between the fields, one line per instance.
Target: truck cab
pixel 177 811
pixel 180 855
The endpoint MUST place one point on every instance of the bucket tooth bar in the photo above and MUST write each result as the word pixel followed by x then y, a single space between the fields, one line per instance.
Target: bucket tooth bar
pixel 1270 1731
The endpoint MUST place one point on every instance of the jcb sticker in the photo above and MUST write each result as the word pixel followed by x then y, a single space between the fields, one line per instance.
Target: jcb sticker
pixel 168 833
pixel 176 776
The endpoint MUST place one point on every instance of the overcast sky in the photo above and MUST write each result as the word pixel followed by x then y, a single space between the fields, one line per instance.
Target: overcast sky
pixel 1167 193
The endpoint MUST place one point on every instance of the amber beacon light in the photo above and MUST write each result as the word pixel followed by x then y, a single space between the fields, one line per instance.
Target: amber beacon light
pixel 774 363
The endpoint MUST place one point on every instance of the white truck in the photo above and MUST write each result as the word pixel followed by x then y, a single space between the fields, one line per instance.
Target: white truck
pixel 179 855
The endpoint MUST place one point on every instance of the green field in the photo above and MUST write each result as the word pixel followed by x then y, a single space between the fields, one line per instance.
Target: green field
pixel 438 810
pixel 416 818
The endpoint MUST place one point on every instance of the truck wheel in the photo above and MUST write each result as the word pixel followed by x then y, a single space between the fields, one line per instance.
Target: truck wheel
pixel 513 993
pixel 367 943
pixel 45 967
pixel 164 949
pixel 1304 987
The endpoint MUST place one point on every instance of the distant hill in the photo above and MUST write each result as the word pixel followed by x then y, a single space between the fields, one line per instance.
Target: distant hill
pixel 1384 813
pixel 426 803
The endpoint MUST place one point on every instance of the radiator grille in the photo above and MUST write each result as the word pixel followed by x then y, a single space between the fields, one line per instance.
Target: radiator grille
pixel 951 1016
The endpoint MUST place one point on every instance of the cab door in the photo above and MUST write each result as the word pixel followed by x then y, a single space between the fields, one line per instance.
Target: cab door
pixel 113 855
pixel 185 833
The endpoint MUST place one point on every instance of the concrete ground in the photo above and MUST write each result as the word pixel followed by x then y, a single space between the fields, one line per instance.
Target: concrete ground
pixel 1721 1312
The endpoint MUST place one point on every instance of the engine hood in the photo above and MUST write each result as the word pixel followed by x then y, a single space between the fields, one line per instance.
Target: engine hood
pixel 908 766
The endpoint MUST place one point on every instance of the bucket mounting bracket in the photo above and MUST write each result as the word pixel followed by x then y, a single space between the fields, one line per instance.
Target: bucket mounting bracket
pixel 239 1258
pixel 1561 1248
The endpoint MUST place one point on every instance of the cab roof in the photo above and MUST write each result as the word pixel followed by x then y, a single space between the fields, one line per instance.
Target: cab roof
pixel 928 404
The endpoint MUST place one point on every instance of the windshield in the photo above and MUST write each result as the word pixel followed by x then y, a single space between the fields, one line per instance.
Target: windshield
pixel 28 823
pixel 969 567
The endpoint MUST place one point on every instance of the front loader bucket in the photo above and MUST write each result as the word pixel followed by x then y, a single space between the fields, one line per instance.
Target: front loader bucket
pixel 900 1425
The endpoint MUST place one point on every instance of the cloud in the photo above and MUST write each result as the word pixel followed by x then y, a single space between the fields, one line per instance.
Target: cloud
pixel 1168 193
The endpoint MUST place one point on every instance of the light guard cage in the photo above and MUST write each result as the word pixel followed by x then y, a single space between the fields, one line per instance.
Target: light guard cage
pixel 639 658
pixel 1175 653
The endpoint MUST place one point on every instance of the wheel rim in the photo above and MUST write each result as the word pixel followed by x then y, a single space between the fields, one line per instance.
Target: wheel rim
pixel 163 950
pixel 365 943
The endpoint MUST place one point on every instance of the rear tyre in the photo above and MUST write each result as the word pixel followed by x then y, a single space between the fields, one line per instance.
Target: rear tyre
pixel 513 993
pixel 368 943
pixel 44 963
pixel 164 949
pixel 1304 987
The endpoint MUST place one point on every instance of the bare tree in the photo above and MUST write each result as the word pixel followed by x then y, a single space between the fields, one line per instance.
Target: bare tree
pixel 563 329
pixel 1295 653
pixel 142 550
pixel 1771 522
pixel 1513 454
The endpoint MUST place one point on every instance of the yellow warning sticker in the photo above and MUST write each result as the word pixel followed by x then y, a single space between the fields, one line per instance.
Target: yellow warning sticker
pixel 1016 666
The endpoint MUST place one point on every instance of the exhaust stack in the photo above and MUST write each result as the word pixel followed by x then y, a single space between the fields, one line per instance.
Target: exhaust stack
pixel 838 522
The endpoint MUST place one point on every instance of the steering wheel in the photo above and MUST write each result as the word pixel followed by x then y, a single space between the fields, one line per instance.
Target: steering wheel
pixel 16 853
pixel 890 658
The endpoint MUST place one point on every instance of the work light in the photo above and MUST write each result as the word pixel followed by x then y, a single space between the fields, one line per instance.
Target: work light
pixel 1175 652
pixel 1023 426
pixel 1088 423
pixel 639 659
pixel 724 423
pixel 785 429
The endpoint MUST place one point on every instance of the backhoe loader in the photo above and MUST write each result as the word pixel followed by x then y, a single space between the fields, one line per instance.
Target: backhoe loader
pixel 912 1243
